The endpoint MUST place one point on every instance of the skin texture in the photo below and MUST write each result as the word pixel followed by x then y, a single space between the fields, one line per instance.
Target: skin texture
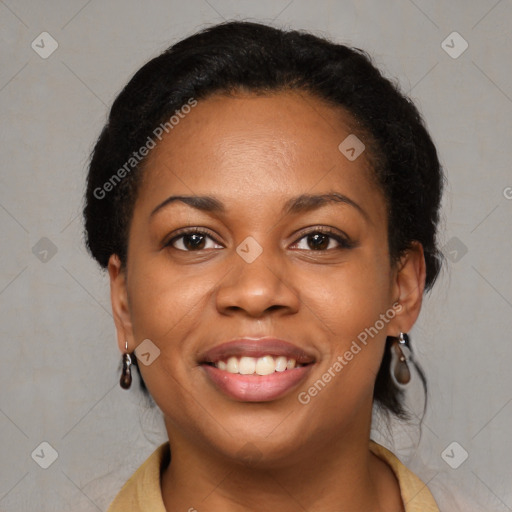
pixel 253 153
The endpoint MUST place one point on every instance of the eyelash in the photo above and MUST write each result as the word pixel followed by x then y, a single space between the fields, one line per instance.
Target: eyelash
pixel 343 241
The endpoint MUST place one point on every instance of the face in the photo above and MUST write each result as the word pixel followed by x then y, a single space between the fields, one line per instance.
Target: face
pixel 275 257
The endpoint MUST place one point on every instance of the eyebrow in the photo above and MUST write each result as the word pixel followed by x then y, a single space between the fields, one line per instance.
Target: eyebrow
pixel 299 204
pixel 308 202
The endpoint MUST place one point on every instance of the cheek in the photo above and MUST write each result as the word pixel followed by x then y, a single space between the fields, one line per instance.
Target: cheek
pixel 166 308
pixel 348 298
pixel 163 301
pixel 349 303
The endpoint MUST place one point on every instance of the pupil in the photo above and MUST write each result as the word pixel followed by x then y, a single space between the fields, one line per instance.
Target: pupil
pixel 193 241
pixel 319 240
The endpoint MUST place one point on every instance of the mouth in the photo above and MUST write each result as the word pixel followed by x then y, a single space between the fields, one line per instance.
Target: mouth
pixel 264 365
pixel 256 370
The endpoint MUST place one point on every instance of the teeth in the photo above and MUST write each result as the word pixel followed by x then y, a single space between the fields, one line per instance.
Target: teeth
pixel 247 365
pixel 281 362
pixel 232 366
pixel 290 364
pixel 265 365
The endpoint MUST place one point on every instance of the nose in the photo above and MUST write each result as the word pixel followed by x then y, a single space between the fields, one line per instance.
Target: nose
pixel 257 288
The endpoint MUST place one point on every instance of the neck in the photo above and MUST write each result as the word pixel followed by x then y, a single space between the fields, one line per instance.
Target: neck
pixel 322 477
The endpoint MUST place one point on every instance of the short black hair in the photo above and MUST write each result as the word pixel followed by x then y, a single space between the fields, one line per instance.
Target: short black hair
pixel 238 56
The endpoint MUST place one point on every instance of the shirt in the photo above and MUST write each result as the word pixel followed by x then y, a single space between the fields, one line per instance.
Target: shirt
pixel 142 492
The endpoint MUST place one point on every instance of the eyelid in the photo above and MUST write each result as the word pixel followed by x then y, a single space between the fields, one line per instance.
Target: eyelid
pixel 342 238
pixel 191 230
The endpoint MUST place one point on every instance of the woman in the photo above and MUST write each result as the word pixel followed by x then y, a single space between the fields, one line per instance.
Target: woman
pixel 266 204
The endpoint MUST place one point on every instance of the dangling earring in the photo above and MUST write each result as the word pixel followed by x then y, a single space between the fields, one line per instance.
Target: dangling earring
pixel 399 368
pixel 126 374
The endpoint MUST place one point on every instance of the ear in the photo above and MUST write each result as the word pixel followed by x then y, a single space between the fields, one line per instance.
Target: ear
pixel 407 287
pixel 119 300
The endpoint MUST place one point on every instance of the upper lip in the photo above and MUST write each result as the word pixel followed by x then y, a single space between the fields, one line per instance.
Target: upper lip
pixel 256 347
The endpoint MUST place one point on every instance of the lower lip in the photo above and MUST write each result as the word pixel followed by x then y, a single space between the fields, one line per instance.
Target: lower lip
pixel 256 388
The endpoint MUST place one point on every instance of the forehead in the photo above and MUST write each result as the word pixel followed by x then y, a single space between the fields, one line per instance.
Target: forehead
pixel 257 144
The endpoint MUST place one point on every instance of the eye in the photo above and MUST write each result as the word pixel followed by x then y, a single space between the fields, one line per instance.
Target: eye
pixel 322 240
pixel 193 240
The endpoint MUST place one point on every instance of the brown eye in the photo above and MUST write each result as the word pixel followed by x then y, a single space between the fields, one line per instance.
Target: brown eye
pixel 319 240
pixel 193 240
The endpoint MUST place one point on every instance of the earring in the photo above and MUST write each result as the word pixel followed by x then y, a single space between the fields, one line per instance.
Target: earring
pixel 400 369
pixel 126 374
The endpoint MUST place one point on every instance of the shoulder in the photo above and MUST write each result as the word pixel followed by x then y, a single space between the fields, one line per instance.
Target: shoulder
pixel 143 491
pixel 415 493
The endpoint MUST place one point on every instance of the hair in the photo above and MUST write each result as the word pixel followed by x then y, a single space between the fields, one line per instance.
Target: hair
pixel 235 57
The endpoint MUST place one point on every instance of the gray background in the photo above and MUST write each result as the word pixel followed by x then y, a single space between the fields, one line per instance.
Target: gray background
pixel 59 358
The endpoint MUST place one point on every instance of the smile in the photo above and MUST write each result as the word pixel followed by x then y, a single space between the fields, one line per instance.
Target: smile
pixel 260 370
pixel 257 366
